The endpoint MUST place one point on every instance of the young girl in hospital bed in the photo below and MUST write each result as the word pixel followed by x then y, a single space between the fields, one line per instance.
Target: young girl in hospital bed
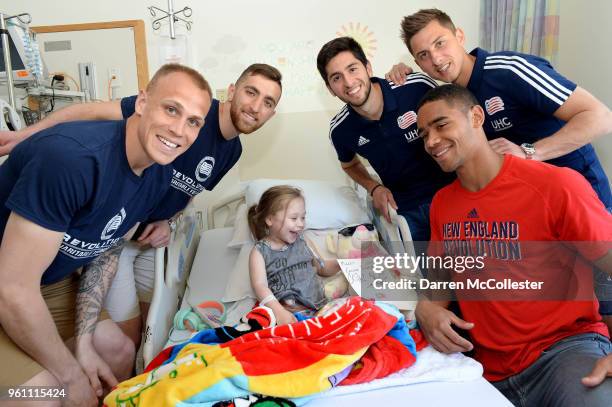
pixel 284 270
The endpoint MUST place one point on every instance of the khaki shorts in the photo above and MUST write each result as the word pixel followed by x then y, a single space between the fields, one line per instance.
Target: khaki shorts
pixel 60 297
pixel 133 283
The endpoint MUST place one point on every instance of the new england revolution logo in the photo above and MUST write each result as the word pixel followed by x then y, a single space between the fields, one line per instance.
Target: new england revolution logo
pixel 406 120
pixel 113 225
pixel 204 168
pixel 494 105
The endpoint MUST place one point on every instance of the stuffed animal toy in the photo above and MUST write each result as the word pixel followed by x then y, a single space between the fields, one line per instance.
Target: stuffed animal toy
pixel 355 242
pixel 349 243
pixel 335 286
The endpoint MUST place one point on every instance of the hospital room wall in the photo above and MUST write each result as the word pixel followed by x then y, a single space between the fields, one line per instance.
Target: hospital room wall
pixel 585 57
pixel 227 36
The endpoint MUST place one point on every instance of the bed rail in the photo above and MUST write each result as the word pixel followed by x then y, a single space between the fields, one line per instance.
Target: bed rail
pixel 172 266
pixel 225 210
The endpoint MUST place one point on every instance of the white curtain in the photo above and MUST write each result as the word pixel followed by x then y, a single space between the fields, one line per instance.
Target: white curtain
pixel 527 26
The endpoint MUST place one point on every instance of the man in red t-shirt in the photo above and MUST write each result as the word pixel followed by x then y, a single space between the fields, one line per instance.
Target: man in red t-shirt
pixel 534 340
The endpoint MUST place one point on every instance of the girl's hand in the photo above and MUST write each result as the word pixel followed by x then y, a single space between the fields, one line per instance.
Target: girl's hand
pixel 285 317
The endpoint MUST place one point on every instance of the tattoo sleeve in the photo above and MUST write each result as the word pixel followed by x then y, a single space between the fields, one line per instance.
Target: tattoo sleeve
pixel 93 286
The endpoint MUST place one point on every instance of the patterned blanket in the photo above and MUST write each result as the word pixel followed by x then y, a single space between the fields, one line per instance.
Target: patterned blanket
pixel 349 342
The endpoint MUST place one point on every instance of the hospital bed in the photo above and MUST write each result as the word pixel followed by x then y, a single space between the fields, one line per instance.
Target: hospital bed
pixel 206 260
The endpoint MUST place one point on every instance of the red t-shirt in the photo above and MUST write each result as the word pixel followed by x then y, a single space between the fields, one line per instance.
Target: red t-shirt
pixel 526 204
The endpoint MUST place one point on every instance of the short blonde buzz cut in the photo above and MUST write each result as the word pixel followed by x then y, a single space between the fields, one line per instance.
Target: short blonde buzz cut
pixel 414 23
pixel 167 69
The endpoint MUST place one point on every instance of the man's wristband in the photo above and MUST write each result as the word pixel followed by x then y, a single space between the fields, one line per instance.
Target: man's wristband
pixel 172 224
pixel 374 189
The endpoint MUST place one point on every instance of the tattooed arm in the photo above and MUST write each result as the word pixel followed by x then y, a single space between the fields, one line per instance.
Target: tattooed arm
pixel 24 315
pixel 95 282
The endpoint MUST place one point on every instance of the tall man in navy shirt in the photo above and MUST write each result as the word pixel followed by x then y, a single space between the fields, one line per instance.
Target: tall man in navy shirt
pixel 251 103
pixel 378 123
pixel 70 193
pixel 531 111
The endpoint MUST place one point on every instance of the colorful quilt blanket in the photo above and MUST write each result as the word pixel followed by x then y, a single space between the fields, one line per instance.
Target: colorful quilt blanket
pixel 288 361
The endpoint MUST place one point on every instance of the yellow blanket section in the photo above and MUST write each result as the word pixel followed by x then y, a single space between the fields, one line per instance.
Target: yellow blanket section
pixel 196 367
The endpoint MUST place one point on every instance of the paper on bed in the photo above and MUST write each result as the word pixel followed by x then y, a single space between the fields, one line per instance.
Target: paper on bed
pixel 352 270
pixel 369 282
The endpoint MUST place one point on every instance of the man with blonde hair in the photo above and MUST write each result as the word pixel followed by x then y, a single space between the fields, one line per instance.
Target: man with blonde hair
pixel 70 195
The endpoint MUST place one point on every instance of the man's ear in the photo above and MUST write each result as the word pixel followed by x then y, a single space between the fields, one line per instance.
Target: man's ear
pixel 141 102
pixel 231 91
pixel 478 116
pixel 369 69
pixel 460 35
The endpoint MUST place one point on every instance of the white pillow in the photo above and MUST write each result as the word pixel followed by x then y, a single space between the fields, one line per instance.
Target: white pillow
pixel 239 283
pixel 328 205
pixel 242 233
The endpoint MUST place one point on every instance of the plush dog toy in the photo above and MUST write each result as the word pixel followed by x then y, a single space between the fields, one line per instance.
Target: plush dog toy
pixel 363 242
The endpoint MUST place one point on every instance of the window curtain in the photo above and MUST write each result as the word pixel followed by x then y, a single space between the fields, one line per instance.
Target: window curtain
pixel 527 26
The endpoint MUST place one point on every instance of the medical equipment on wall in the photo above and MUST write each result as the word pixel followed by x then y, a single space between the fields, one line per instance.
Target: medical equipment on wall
pixel 32 59
pixel 21 66
pixel 20 59
pixel 9 119
pixel 172 16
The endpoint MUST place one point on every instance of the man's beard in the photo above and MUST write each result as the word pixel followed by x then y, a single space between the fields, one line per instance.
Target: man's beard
pixel 367 96
pixel 238 124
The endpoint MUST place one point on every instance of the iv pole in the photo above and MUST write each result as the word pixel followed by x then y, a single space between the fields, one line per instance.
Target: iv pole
pixel 6 51
pixel 172 16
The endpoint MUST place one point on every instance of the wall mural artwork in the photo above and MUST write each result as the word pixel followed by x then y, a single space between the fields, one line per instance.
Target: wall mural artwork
pixel 362 35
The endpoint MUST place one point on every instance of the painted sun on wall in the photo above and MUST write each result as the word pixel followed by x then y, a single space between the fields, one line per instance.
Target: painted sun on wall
pixel 362 35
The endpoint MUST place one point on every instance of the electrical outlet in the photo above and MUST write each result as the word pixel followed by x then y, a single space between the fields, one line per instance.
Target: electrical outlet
pixel 115 78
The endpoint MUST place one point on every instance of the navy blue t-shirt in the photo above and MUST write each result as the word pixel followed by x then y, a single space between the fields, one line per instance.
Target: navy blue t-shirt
pixel 201 167
pixel 75 178
pixel 520 94
pixel 391 144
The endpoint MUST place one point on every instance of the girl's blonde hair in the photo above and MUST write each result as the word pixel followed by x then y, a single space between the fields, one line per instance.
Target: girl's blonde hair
pixel 273 200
